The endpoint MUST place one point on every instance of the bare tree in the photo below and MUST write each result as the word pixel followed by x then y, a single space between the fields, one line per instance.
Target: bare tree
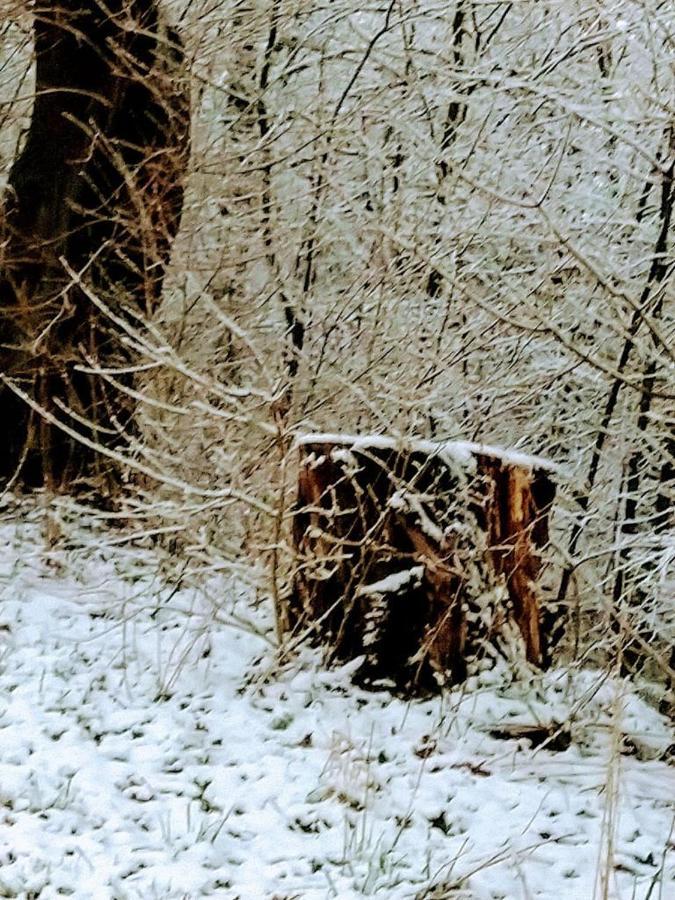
pixel 93 202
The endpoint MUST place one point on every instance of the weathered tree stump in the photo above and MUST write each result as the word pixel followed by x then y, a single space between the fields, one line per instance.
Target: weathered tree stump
pixel 419 556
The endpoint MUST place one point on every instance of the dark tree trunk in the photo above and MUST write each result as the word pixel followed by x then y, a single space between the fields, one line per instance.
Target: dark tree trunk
pixel 97 189
pixel 420 558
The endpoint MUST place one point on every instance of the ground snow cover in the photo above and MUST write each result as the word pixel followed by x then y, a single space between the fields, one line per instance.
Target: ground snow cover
pixel 150 749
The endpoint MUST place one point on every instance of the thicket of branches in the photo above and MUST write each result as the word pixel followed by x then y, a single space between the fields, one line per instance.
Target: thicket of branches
pixel 452 220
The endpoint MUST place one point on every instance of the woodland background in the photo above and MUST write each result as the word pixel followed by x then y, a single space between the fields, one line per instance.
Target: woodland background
pixel 446 220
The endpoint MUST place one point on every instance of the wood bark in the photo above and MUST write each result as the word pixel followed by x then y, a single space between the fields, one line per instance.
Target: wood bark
pixel 97 189
pixel 422 559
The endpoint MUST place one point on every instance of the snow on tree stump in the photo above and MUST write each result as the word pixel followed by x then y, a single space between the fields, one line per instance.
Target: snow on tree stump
pixel 421 557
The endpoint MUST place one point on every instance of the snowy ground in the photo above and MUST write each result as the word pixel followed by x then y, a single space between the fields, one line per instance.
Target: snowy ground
pixel 143 756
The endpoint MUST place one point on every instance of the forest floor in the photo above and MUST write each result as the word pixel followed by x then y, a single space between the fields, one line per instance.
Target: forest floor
pixel 150 747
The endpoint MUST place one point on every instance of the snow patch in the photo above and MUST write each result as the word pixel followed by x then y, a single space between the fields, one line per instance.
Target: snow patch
pixel 142 757
pixel 458 452
pixel 392 583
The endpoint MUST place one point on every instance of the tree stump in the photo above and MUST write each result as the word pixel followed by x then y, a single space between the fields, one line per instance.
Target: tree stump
pixel 420 557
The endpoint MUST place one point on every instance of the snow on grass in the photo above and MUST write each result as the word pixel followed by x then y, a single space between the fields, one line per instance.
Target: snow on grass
pixel 148 748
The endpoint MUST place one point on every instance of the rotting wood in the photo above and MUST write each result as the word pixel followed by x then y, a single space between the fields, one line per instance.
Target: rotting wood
pixel 553 736
pixel 421 557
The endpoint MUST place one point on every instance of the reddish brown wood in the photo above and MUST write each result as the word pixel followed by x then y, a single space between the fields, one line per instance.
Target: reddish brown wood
pixel 419 559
